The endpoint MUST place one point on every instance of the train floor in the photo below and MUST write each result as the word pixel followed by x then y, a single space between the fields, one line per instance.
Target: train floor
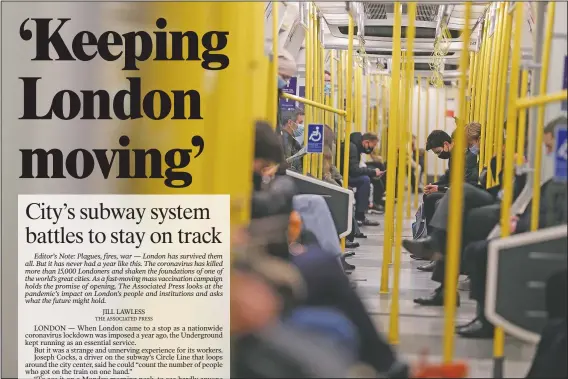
pixel 422 327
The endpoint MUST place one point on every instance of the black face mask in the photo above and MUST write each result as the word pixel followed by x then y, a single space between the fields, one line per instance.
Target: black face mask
pixel 444 155
pixel 367 150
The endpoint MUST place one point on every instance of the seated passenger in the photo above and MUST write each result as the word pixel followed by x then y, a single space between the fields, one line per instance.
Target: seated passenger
pixel 551 214
pixel 360 177
pixel 475 260
pixel 376 201
pixel 442 144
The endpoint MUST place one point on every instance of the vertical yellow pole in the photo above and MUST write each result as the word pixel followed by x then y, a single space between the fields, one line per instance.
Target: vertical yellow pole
pixel 402 156
pixel 437 125
pixel 316 83
pixel 535 206
pixel 384 138
pixel 417 152
pixel 426 130
pixel 473 71
pixel 501 95
pixel 481 112
pixel 309 85
pixel 274 66
pixel 340 97
pixel 507 185
pixel 410 90
pixel 368 107
pixel 349 97
pixel 392 151
pixel 522 120
pixel 321 93
pixel 456 203
pixel 332 97
pixel 493 80
pixel 358 100
pixel 377 92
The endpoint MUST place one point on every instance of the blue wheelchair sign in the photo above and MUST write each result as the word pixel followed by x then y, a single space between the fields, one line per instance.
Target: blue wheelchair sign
pixel 561 154
pixel 315 138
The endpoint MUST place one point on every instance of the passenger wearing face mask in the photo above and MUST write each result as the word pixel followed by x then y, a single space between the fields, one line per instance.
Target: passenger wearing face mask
pixel 442 144
pixel 482 209
pixel 327 83
pixel 292 139
pixel 360 177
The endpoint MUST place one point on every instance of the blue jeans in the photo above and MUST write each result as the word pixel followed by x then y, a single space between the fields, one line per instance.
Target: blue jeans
pixel 363 185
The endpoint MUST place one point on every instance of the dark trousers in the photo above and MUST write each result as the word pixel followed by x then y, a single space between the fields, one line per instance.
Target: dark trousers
pixel 379 184
pixel 328 286
pixel 473 197
pixel 475 263
pixel 477 225
pixel 430 202
pixel 363 186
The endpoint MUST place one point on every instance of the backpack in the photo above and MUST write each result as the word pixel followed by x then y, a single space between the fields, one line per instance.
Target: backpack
pixel 419 229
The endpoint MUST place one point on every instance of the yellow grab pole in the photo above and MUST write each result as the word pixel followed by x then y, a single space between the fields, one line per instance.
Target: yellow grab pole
pixel 534 101
pixel 456 203
pixel 437 125
pixel 507 185
pixel 493 80
pixel 314 104
pixel 384 116
pixel 391 147
pixel 426 130
pixel 309 85
pixel 361 105
pixel 417 149
pixel 358 99
pixel 273 109
pixel 340 120
pixel 504 69
pixel 322 93
pixel 349 97
pixel 368 96
pixel 473 71
pixel 535 206
pixel 316 85
pixel 402 157
pixel 481 101
pixel 410 89
pixel 521 138
pixel 377 91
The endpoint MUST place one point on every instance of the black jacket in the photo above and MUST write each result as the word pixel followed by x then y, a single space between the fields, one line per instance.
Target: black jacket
pixel 471 172
pixel 355 151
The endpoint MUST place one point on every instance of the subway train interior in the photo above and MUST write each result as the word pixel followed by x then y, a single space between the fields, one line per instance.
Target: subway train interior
pixel 371 260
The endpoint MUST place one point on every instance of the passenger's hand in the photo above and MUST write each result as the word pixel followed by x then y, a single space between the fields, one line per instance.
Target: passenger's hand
pixel 378 173
pixel 513 224
pixel 270 171
pixel 430 188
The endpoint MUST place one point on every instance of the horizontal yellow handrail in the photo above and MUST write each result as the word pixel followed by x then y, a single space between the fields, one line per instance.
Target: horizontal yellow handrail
pixel 314 104
pixel 534 101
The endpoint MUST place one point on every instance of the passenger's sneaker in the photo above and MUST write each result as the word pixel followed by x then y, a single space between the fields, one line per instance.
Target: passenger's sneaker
pixel 464 285
pixel 367 222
